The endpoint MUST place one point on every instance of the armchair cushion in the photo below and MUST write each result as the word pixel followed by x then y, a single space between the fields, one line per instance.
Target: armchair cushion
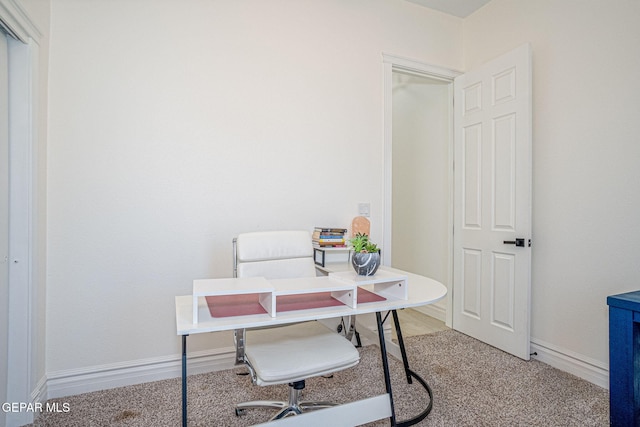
pixel 278 268
pixel 296 352
pixel 275 254
pixel 269 245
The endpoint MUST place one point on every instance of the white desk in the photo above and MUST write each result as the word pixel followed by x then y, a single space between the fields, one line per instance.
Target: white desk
pixel 420 291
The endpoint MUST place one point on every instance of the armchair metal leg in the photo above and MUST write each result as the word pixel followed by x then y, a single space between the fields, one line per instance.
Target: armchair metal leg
pixel 289 410
pixel 257 404
pixel 352 330
pixel 312 406
pixel 292 408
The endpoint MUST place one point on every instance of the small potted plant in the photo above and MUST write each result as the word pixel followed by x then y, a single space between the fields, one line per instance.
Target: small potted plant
pixel 366 255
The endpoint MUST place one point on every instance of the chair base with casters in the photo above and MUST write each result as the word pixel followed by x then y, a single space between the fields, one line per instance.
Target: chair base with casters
pixel 293 407
pixel 293 351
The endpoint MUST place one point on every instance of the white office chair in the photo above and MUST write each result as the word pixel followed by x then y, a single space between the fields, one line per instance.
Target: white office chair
pixel 287 354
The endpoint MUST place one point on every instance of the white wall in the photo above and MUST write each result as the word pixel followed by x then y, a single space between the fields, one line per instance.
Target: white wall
pixel 176 125
pixel 586 153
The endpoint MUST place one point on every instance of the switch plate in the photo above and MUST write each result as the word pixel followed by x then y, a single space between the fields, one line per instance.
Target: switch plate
pixel 364 209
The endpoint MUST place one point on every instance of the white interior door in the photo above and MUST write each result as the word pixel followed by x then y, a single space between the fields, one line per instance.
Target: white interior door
pixel 492 202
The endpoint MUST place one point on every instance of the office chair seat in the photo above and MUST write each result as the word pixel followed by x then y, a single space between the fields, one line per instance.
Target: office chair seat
pixel 293 353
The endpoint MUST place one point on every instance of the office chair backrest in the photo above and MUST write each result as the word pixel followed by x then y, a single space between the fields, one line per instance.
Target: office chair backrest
pixel 274 254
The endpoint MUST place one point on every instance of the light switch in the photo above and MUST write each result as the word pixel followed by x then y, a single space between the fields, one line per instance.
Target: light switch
pixel 363 209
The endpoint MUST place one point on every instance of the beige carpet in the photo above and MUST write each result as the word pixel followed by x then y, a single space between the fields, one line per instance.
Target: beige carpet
pixel 473 385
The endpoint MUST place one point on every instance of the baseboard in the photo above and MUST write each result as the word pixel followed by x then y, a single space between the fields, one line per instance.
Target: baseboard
pixel 103 377
pixel 434 310
pixel 568 361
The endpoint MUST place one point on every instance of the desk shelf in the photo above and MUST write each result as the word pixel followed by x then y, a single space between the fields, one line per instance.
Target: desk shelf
pixel 258 286
pixel 343 292
pixel 323 256
pixel 385 283
pixel 258 296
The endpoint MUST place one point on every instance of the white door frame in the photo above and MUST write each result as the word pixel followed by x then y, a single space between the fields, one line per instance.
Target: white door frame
pixel 395 63
pixel 25 340
pixel 4 223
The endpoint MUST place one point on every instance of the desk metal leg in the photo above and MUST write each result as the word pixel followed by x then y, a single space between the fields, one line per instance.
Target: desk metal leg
pixel 411 375
pixel 385 365
pixel 405 362
pixel 184 380
pixel 408 372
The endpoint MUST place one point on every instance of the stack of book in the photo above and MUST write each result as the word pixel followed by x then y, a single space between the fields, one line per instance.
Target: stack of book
pixel 329 237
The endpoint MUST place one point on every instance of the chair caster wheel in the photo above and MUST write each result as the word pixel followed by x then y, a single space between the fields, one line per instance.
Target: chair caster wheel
pixel 240 412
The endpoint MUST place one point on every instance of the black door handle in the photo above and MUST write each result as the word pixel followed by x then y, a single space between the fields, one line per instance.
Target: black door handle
pixel 517 242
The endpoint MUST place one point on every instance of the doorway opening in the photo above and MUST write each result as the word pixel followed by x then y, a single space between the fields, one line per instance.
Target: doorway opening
pixel 419 173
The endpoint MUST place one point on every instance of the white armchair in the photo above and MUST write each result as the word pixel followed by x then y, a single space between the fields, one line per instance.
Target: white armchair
pixel 287 354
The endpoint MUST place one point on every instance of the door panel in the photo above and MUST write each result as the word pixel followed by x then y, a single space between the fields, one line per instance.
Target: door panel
pixel 472 281
pixel 503 290
pixel 504 173
pixel 492 202
pixel 472 170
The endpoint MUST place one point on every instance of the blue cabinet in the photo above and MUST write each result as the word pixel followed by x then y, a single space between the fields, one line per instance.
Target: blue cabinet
pixel 624 359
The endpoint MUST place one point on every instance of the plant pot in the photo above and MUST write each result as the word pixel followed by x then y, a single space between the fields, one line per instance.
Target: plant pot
pixel 365 264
